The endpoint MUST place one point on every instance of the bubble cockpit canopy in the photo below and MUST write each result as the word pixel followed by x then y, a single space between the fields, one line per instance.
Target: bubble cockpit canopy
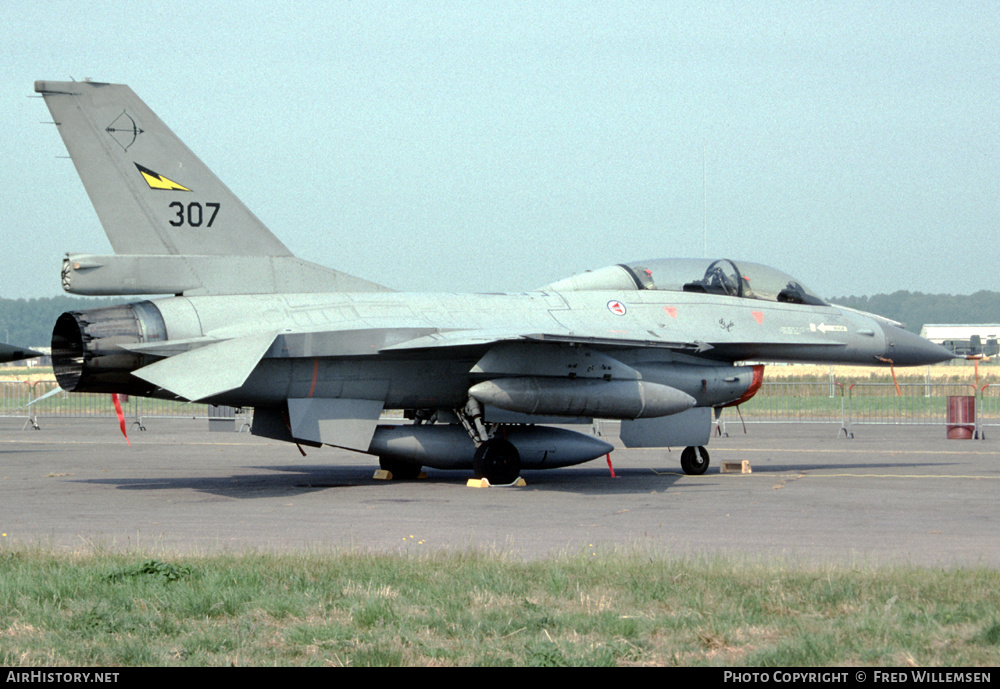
pixel 707 276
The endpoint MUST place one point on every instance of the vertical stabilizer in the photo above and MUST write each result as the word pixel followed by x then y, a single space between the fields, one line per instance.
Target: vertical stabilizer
pixel 151 193
pixel 156 200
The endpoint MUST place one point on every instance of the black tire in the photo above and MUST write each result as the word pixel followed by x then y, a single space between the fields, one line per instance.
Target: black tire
pixel 401 471
pixel 694 461
pixel 498 461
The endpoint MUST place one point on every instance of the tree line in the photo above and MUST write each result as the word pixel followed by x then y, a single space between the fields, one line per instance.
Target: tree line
pixel 915 309
pixel 28 322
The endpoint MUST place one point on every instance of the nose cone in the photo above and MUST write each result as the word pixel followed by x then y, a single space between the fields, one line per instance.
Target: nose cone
pixel 907 349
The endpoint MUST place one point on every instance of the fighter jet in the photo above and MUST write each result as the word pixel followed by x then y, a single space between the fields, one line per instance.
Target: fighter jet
pixel 320 355
pixel 13 353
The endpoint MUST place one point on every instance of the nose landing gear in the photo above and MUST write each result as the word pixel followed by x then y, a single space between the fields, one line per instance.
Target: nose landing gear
pixel 694 460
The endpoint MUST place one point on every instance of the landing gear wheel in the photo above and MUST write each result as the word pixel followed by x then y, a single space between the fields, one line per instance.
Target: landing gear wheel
pixel 401 471
pixel 694 461
pixel 498 461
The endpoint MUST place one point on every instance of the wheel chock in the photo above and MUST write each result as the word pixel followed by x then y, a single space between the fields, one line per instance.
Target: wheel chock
pixel 737 467
pixel 386 475
pixel 484 483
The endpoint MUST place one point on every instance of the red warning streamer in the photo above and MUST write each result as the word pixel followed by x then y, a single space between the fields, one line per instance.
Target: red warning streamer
pixel 892 370
pixel 121 416
pixel 975 362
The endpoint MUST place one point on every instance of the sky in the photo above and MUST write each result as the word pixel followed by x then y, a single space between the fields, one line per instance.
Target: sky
pixel 499 146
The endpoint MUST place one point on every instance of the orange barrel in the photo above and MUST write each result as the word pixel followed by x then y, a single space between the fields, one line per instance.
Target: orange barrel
pixel 961 417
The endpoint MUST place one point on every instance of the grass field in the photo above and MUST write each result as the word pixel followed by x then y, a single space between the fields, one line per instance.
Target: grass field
pixel 962 372
pixel 29 374
pixel 600 609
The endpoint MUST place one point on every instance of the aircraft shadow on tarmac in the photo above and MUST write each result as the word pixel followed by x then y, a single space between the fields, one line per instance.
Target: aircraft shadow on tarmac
pixel 289 480
pixel 300 480
pixel 286 480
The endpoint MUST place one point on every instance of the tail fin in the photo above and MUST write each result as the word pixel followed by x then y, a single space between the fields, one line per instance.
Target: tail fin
pixel 156 199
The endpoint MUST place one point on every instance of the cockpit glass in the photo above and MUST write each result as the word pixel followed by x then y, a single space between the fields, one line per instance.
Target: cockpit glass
pixel 721 276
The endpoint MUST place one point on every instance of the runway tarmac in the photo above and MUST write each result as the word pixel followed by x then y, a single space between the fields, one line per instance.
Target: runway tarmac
pixel 892 494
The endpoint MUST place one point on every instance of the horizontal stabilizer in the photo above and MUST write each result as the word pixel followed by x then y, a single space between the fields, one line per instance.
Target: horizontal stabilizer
pixel 209 370
pixel 12 353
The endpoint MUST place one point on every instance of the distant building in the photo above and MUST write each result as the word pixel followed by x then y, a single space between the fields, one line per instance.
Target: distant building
pixel 965 339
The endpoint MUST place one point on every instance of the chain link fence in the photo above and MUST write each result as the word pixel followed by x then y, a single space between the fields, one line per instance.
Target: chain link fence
pixel 829 402
pixel 854 404
pixel 35 402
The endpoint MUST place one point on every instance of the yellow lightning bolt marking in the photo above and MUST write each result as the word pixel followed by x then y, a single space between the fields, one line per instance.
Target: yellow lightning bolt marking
pixel 157 181
pixel 161 182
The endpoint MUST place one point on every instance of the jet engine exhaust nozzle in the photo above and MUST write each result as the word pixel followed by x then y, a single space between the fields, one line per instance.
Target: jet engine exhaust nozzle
pixel 86 351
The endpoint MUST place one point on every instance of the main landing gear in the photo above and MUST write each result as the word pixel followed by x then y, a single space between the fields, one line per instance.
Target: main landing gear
pixel 498 461
pixel 694 460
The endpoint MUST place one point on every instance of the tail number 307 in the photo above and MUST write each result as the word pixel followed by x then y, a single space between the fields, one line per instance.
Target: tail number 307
pixel 193 214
